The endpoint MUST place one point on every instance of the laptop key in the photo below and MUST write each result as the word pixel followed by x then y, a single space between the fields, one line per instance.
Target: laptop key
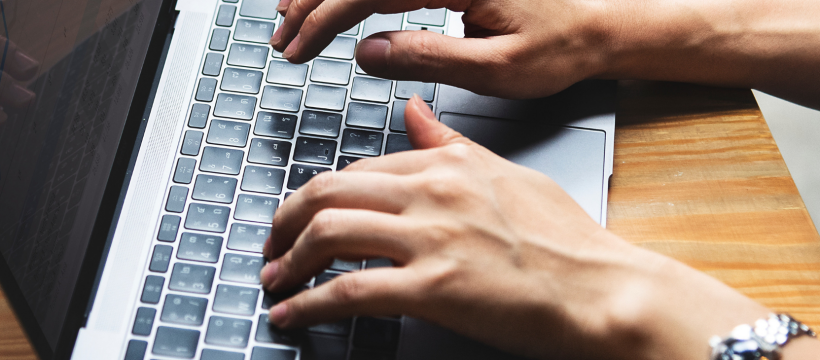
pixel 255 208
pixel 263 180
pixel 245 237
pixel 419 28
pixel 176 199
pixel 397 117
pixel 376 334
pixel 332 72
pixel 248 55
pixel 301 174
pixel 269 333
pixel 275 125
pixel 269 152
pixel 211 354
pixel 397 143
pixel 318 151
pixel 378 263
pixel 265 9
pixel 235 300
pixel 343 265
pixel 235 106
pixel 192 278
pixel 168 227
pixel 219 40
pixel 352 31
pixel 184 172
pixel 191 142
pixel 199 116
pixel 160 258
pixel 205 90
pixel 230 332
pixel 406 89
pixel 371 89
pixel 320 123
pixel 366 115
pixel 253 30
pixel 173 342
pixel 342 47
pixel 136 350
pixel 144 321
pixel 344 161
pixel 214 188
pixel 281 98
pixel 221 160
pixel 241 268
pixel 240 80
pixel 225 15
pixel 362 142
pixel 196 247
pixel 434 17
pixel 184 310
pixel 229 133
pixel 326 97
pixel 262 353
pixel 381 22
pixel 152 289
pixel 285 73
pixel 213 64
pixel 204 217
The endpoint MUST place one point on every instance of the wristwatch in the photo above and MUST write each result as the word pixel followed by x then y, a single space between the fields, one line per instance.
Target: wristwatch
pixel 765 339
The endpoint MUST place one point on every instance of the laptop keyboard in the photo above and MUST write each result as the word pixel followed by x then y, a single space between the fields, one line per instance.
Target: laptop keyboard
pixel 259 128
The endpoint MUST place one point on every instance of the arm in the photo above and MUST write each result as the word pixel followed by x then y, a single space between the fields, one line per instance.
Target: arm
pixel 532 48
pixel 494 251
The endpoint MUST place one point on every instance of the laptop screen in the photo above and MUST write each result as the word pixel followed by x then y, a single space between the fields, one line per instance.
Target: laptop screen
pixel 69 72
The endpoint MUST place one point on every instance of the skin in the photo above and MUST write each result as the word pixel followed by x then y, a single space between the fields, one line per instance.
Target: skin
pixel 480 243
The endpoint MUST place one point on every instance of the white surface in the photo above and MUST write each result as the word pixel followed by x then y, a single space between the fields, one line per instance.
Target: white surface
pixel 796 130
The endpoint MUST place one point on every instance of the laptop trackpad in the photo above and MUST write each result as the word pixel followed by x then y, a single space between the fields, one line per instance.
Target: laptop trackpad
pixel 573 157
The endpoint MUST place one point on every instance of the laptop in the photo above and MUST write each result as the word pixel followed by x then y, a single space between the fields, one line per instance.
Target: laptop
pixel 138 185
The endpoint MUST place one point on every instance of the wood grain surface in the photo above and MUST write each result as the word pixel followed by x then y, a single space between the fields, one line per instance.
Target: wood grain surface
pixel 697 177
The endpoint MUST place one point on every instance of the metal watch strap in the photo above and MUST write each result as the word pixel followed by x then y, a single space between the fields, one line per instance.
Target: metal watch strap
pixel 765 339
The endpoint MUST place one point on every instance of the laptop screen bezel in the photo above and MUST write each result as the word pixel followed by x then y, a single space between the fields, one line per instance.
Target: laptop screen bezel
pixel 80 302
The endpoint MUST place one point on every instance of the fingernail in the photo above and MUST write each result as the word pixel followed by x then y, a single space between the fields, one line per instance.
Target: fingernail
pixel 279 313
pixel 283 5
pixel 276 37
pixel 269 272
pixel 291 48
pixel 425 108
pixel 22 96
pixel 373 53
pixel 25 62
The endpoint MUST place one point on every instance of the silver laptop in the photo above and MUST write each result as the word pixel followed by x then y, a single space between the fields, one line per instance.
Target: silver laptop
pixel 138 186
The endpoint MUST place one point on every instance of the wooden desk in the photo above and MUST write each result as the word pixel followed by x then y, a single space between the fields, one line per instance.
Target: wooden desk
pixel 697 177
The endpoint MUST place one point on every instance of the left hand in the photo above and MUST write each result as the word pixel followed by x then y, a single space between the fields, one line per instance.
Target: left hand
pixel 490 249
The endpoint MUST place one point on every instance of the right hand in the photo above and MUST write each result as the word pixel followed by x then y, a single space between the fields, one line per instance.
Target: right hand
pixel 512 49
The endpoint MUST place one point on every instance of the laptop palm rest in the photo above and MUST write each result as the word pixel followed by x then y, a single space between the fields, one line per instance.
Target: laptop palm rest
pixel 573 157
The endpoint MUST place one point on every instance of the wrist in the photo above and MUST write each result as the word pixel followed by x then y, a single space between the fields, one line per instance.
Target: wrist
pixel 671 311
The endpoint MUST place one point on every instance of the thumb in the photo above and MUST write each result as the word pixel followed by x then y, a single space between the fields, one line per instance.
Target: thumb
pixel 424 130
pixel 431 57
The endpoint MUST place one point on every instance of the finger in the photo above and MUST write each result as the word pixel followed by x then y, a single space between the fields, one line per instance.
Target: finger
pixel 432 57
pixel 12 94
pixel 377 292
pixel 340 234
pixel 425 131
pixel 18 64
pixel 349 190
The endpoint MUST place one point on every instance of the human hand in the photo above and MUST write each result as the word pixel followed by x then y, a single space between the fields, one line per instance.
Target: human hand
pixel 18 67
pixel 490 249
pixel 513 49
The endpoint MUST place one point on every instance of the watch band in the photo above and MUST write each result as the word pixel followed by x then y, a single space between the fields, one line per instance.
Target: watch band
pixel 765 339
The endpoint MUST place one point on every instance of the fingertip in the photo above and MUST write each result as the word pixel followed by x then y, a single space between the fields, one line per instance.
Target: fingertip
pixel 372 54
pixel 278 314
pixel 269 273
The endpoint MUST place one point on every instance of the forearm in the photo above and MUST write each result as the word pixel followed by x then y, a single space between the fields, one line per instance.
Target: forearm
pixel 770 45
